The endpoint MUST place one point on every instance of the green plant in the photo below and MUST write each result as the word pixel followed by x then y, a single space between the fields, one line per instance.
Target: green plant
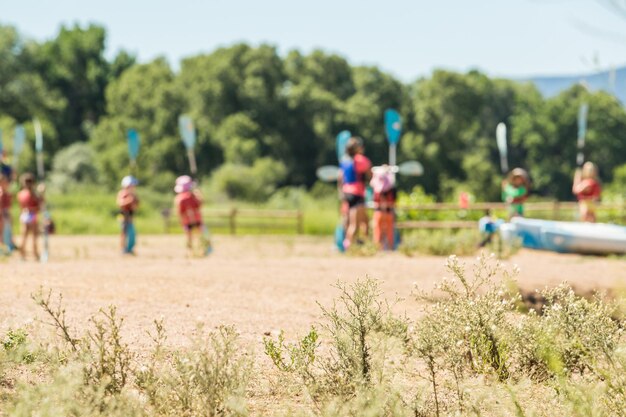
pixel 16 344
pixel 57 314
pixel 207 379
pixel 358 325
pixel 465 328
pixel 292 357
pixel 582 331
pixel 109 363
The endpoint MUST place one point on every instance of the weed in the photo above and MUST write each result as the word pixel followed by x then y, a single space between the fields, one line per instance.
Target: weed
pixel 109 358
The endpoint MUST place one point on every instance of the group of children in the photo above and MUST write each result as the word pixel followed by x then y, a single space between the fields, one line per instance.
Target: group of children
pixel 30 199
pixel 586 188
pixel 356 172
pixel 188 202
pixel 516 188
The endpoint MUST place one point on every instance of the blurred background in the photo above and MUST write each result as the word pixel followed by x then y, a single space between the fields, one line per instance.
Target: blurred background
pixel 270 84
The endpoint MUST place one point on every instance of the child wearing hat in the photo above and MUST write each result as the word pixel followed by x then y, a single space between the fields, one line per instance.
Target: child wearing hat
pixel 188 204
pixel 383 185
pixel 30 200
pixel 515 190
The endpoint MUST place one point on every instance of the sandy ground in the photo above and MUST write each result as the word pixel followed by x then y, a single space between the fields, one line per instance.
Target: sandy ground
pixel 259 284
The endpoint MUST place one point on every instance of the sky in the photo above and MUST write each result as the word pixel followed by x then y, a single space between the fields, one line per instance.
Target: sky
pixel 508 38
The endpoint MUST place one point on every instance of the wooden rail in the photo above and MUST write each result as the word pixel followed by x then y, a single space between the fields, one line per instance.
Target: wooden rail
pixel 235 219
pixel 554 208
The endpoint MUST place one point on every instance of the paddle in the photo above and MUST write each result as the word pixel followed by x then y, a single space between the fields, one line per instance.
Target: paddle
pixel 188 134
pixel 133 151
pixel 582 130
pixel 18 144
pixel 393 129
pixel 330 173
pixel 341 142
pixel 502 147
pixel 133 148
pixel 41 175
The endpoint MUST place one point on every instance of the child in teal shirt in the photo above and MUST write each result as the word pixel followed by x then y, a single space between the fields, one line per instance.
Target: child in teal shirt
pixel 515 191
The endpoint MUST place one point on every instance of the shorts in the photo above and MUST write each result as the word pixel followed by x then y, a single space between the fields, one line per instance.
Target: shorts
pixel 28 217
pixel 191 226
pixel 354 200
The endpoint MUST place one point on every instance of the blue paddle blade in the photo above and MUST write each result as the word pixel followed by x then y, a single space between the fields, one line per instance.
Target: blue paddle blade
pixel 187 131
pixel 342 142
pixel 393 126
pixel 133 144
pixel 18 139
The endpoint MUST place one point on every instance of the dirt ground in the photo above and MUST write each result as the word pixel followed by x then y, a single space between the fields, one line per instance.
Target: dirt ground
pixel 259 284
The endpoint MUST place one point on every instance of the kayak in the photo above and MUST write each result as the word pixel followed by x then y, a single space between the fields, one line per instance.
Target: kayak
pixel 566 237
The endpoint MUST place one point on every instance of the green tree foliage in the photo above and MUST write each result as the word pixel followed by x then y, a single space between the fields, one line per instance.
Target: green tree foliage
pixel 75 67
pixel 74 165
pixel 143 98
pixel 275 117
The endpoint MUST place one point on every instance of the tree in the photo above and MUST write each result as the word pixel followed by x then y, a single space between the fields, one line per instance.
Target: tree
pixel 144 98
pixel 74 66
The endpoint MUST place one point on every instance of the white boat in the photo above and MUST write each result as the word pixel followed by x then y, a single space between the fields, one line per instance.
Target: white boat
pixel 567 237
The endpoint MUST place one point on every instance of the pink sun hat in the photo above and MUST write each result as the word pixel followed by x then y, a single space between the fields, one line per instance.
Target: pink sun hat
pixel 184 183
pixel 382 179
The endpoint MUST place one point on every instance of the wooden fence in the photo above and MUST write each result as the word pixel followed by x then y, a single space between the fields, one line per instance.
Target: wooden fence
pixel 556 210
pixel 264 221
pixel 236 220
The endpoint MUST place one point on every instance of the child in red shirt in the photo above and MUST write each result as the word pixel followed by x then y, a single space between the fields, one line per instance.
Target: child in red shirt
pixel 30 201
pixel 383 185
pixel 188 204
pixel 354 172
pixel 587 189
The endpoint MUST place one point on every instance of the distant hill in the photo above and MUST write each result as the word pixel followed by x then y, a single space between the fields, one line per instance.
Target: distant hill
pixel 612 81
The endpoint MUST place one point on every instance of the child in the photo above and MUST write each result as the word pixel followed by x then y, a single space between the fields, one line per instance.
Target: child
pixel 587 189
pixel 30 201
pixel 188 203
pixel 515 191
pixel 354 172
pixel 128 202
pixel 383 185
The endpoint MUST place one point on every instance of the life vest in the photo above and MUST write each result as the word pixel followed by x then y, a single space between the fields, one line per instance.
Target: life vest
pixel 350 174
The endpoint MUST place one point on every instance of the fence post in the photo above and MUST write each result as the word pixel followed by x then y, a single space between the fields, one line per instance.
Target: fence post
pixel 300 224
pixel 555 210
pixel 233 221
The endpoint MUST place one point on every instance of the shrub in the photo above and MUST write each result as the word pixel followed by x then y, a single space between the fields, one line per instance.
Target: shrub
pixel 73 164
pixel 253 183
pixel 358 325
pixel 208 379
